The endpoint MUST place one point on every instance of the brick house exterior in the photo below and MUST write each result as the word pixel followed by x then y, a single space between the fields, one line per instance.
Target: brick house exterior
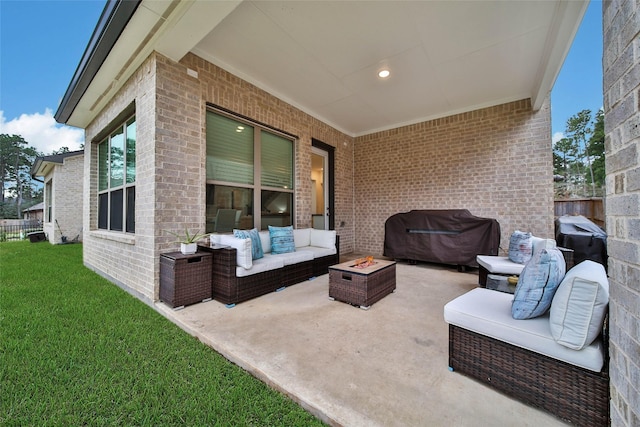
pixel 494 161
pixel 63 176
pixel 621 66
pixel 428 167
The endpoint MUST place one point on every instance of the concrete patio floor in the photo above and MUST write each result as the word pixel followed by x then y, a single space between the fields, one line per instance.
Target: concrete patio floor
pixel 386 366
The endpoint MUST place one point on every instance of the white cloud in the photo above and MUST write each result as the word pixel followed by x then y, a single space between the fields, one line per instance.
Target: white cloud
pixel 42 132
pixel 557 137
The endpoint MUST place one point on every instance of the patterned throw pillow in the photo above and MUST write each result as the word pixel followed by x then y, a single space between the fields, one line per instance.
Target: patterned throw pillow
pixel 256 244
pixel 538 283
pixel 282 239
pixel 520 247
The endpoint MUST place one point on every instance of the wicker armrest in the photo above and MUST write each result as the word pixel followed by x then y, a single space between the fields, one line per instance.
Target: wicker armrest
pixel 223 283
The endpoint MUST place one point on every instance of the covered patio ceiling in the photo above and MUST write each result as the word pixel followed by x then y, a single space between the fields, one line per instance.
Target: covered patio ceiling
pixel 323 57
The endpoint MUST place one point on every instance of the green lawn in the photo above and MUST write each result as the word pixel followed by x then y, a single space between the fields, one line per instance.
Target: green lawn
pixel 77 350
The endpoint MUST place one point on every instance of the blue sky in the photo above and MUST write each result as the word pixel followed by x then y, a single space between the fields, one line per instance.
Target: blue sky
pixel 579 84
pixel 41 43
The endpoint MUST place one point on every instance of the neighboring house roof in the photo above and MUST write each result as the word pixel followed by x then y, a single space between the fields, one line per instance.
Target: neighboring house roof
pixel 323 57
pixel 36 207
pixel 43 164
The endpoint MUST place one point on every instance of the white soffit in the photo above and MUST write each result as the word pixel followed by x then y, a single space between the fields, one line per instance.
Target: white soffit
pixel 171 27
pixel 445 57
pixel 133 46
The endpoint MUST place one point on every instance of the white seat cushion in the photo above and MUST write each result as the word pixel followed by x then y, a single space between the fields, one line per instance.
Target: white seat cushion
pixel 488 313
pixel 268 262
pixel 291 258
pixel 318 252
pixel 503 265
pixel 499 264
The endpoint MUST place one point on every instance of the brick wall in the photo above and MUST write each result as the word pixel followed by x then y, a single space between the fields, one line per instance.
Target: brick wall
pixel 170 107
pixel 495 162
pixel 221 88
pixel 67 199
pixel 621 66
pixel 127 260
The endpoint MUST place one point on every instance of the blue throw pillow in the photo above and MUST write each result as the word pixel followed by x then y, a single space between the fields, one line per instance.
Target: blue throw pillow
pixel 256 244
pixel 281 240
pixel 538 283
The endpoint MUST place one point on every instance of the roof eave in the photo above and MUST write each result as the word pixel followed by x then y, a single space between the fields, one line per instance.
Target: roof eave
pixel 41 164
pixel 114 18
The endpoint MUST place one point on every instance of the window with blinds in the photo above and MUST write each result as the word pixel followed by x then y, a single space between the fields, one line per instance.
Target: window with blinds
pixel 250 171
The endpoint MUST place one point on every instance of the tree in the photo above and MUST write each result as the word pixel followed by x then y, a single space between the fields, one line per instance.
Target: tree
pixel 60 150
pixel 16 158
pixel 565 159
pixel 565 151
pixel 579 130
pixel 579 157
pixel 595 148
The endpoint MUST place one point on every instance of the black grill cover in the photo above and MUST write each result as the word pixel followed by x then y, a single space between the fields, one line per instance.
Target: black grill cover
pixel 587 240
pixel 451 236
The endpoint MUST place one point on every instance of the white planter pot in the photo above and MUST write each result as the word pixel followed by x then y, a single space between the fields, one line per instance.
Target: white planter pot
pixel 188 248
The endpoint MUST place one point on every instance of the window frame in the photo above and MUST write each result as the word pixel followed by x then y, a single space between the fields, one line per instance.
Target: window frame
pixel 111 217
pixel 257 187
pixel 49 199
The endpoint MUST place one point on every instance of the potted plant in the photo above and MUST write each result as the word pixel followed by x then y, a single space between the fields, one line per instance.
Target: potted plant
pixel 188 241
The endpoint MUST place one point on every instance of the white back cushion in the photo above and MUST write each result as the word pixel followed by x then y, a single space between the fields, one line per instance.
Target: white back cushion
pixel 580 305
pixel 265 239
pixel 323 238
pixel 302 237
pixel 242 246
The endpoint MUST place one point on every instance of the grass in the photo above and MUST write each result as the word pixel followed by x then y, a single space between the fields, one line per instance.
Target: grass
pixel 77 350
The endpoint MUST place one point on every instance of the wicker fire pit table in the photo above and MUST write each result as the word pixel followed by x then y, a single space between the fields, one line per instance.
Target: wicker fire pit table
pixel 362 286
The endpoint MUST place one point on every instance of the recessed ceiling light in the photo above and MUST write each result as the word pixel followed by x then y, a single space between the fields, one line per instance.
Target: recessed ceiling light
pixel 383 74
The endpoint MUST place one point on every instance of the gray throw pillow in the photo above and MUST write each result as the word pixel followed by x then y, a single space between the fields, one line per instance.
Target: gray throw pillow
pixel 520 247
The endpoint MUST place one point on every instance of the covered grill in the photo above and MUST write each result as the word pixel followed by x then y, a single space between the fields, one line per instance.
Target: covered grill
pixel 451 236
pixel 587 240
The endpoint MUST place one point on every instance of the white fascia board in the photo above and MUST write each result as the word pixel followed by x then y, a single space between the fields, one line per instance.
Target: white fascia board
pixel 569 15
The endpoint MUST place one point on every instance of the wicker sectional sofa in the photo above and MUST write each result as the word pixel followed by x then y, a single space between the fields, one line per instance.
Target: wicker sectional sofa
pixel 236 278
pixel 531 360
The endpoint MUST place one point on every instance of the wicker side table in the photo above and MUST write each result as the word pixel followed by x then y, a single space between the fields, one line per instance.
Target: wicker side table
pixel 362 287
pixel 185 279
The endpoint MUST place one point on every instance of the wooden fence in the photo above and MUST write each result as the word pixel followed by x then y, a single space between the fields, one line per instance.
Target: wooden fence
pixel 592 208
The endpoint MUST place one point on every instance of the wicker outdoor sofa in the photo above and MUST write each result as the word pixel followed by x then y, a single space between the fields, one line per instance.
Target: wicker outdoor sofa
pixel 235 279
pixel 524 358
